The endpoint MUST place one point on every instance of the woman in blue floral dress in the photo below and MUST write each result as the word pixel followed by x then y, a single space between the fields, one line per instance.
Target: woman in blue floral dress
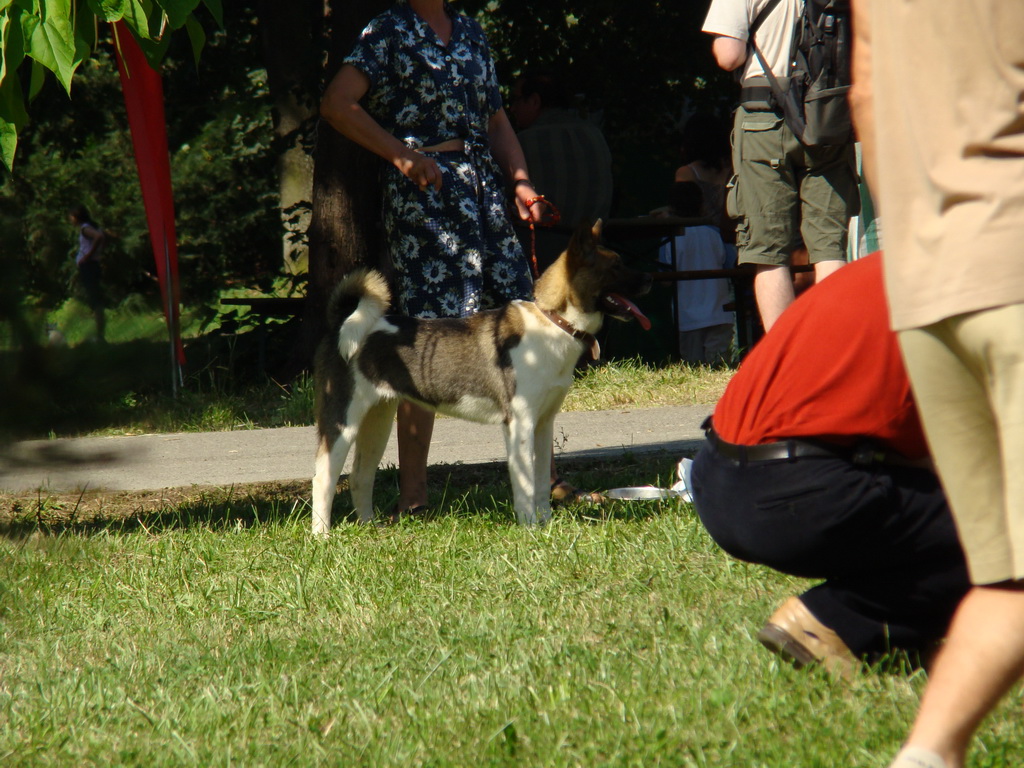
pixel 420 90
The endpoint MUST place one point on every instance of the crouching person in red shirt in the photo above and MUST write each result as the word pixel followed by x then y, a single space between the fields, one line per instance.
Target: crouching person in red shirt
pixel 815 465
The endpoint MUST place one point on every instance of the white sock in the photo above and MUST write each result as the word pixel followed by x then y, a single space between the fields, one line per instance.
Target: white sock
pixel 915 757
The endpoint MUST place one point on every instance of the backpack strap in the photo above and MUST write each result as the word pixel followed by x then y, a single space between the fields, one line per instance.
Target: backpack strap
pixel 777 91
pixel 759 19
pixel 774 87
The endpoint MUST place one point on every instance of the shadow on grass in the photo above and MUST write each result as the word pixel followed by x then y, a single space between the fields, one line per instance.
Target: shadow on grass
pixel 460 490
pixel 90 513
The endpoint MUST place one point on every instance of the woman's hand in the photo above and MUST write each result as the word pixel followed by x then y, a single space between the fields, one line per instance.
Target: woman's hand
pixel 340 107
pixel 420 169
pixel 524 193
pixel 509 154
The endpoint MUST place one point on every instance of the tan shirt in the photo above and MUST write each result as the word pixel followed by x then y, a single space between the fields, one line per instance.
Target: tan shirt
pixel 950 155
pixel 733 18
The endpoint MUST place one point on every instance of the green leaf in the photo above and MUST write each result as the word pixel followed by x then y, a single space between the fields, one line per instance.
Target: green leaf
pixel 155 49
pixel 216 8
pixel 197 35
pixel 12 118
pixel 109 10
pixel 8 143
pixel 38 77
pixel 178 11
pixel 50 39
pixel 85 27
pixel 137 19
pixel 5 26
pixel 12 105
pixel 12 46
pixel 85 36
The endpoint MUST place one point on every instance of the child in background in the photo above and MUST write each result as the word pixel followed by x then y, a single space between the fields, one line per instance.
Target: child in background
pixel 90 248
pixel 705 328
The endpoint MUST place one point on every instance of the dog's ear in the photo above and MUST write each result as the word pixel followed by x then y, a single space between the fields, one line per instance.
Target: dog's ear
pixel 583 244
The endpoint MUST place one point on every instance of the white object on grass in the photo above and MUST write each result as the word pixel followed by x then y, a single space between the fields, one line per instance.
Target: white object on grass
pixel 647 492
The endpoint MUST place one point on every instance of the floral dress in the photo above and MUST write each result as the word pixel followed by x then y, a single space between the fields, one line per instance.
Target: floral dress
pixel 454 250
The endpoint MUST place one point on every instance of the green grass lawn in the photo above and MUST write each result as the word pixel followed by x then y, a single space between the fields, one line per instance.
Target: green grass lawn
pixel 217 631
pixel 207 627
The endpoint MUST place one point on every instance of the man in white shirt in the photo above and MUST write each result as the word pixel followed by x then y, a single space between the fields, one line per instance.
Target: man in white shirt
pixel 784 192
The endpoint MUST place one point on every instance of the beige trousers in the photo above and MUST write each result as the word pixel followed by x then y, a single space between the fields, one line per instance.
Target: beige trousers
pixel 967 373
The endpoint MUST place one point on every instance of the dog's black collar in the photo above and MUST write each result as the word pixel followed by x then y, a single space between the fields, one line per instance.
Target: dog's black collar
pixel 588 339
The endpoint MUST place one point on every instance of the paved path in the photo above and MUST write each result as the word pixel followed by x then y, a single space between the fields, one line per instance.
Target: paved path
pixel 153 462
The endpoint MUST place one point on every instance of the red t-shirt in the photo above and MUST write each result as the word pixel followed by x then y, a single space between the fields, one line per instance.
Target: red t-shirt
pixel 829 369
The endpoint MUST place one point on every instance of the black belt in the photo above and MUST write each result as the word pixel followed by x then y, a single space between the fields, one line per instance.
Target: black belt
pixel 779 451
pixel 758 98
pixel 865 453
pixel 757 93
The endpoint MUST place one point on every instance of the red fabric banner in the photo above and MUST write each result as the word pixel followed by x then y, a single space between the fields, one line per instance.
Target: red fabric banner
pixel 144 100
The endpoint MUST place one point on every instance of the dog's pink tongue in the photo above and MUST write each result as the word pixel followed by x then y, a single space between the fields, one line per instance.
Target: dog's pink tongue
pixel 633 309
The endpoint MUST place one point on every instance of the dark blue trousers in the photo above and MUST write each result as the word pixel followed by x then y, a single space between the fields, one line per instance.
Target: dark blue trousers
pixel 881 536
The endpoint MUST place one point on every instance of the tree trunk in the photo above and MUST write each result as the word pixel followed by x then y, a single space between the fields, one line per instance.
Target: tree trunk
pixel 292 70
pixel 344 232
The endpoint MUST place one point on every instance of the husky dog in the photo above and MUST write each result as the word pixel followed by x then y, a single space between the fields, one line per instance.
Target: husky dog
pixel 510 366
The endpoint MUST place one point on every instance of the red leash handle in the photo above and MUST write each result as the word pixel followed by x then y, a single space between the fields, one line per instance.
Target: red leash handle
pixel 549 221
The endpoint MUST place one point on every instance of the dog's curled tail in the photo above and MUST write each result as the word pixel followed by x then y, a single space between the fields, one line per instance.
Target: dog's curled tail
pixel 358 302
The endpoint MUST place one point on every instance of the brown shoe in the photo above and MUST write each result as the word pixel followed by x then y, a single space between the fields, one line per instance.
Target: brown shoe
pixel 798 637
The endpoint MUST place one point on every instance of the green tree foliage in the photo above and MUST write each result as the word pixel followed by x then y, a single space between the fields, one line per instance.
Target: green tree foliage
pixel 71 157
pixel 79 150
pixel 640 67
pixel 640 62
pixel 220 134
pixel 55 36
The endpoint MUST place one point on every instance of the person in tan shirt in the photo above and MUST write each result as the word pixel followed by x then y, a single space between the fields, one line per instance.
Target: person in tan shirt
pixel 937 104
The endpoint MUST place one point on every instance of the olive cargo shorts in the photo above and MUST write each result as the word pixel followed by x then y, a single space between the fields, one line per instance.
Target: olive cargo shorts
pixel 784 193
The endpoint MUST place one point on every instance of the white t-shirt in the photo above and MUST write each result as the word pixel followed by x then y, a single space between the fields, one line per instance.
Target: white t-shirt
pixel 733 18
pixel 700 301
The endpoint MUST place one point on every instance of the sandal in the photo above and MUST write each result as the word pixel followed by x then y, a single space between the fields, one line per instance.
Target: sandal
pixel 563 492
pixel 421 511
